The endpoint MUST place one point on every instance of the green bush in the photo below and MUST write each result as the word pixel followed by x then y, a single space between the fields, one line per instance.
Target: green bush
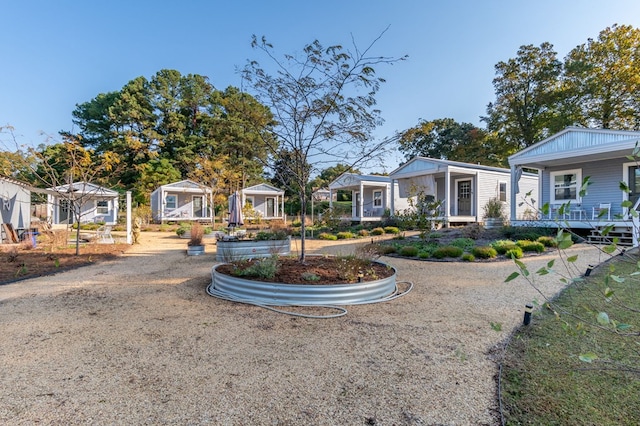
pixel 447 251
pixel 391 230
pixel 363 233
pixel 345 235
pixel 424 255
pixel 468 257
pixel 409 251
pixel 327 236
pixel 548 241
pixel 464 243
pixel 502 246
pixel 263 268
pixel 386 249
pixel 527 245
pixel 182 230
pixel 484 252
pixel 377 231
pixel 514 253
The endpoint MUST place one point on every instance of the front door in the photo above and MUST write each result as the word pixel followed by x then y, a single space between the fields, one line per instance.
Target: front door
pixel 464 198
pixel 198 206
pixel 271 207
pixel 64 211
pixel 634 184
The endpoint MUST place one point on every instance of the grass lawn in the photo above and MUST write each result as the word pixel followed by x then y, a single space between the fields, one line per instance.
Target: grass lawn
pixel 571 366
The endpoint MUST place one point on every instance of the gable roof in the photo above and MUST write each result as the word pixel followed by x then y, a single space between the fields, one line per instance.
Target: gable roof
pixel 84 188
pixel 577 144
pixel 185 185
pixel 419 165
pixel 346 180
pixel 262 188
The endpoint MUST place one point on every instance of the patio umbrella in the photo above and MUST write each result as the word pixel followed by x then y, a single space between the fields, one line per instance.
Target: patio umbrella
pixel 235 210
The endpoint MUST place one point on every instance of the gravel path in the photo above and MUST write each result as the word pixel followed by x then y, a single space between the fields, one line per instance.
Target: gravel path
pixel 138 341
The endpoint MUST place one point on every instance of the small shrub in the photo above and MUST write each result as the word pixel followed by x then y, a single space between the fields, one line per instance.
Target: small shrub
pixel 264 268
pixel 514 253
pixel 530 246
pixel 377 231
pixel 468 257
pixel 502 246
pixel 383 249
pixel 164 227
pixel 484 252
pixel 181 231
pixel 391 230
pixel 345 235
pixel 424 255
pixel 197 233
pixel 464 243
pixel 447 251
pixel 548 241
pixel 363 233
pixel 310 276
pixel 409 251
pixel 327 236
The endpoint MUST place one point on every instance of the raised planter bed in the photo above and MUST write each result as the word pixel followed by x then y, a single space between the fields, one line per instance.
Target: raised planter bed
pixel 228 250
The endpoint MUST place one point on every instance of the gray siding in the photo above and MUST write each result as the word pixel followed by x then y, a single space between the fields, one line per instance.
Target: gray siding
pixel 605 177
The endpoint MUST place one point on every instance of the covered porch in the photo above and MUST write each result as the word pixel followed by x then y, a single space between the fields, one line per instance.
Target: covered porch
pixel 370 195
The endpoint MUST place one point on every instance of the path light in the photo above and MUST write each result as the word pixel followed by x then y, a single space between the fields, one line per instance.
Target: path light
pixel 360 276
pixel 527 314
pixel 588 271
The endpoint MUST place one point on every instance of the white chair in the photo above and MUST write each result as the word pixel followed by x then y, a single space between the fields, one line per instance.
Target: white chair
pixel 597 212
pixel 104 234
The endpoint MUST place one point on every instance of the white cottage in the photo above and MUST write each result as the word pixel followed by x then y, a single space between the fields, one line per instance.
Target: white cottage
pixel 372 195
pixel 266 200
pixel 15 208
pixel 92 202
pixel 184 200
pixel 464 188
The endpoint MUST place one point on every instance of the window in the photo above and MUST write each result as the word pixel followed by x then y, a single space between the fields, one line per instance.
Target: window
pixel 377 198
pixel 565 186
pixel 634 184
pixel 502 191
pixel 171 202
pixel 102 207
pixel 249 202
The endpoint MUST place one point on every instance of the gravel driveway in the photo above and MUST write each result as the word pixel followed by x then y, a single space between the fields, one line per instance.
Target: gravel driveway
pixel 138 341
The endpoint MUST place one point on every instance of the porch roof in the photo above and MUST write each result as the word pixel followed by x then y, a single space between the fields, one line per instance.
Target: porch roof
pixel 262 188
pixel 425 165
pixel 185 186
pixel 84 188
pixel 576 145
pixel 353 180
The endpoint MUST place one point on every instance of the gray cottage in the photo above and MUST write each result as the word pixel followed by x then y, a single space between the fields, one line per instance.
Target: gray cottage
pixel 464 188
pixel 185 200
pixel 564 160
pixel 92 202
pixel 15 208
pixel 266 201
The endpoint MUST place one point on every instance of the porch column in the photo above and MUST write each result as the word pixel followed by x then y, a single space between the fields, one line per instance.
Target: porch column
pixel 391 193
pixel 360 209
pixel 330 198
pixel 281 206
pixel 447 197
pixel 512 195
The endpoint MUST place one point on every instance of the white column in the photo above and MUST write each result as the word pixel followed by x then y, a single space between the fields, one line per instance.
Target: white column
pixel 512 196
pixel 391 193
pixel 129 217
pixel 447 199
pixel 360 209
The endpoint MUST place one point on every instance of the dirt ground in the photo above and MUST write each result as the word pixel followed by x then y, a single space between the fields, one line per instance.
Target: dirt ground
pixel 137 340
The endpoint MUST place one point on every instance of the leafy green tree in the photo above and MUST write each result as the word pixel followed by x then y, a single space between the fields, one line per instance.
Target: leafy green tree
pixel 602 80
pixel 320 109
pixel 154 174
pixel 447 139
pixel 527 92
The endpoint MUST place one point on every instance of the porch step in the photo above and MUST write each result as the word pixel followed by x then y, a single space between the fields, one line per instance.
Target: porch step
pixel 624 235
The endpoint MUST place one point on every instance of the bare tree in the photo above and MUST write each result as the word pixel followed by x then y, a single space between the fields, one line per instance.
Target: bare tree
pixel 323 103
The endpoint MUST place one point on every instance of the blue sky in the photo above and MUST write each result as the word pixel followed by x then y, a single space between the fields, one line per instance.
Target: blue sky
pixel 56 54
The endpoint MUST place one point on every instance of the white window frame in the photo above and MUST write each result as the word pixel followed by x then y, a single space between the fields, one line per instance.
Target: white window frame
pixel 552 178
pixel 377 198
pixel 502 194
pixel 102 210
pixel 175 201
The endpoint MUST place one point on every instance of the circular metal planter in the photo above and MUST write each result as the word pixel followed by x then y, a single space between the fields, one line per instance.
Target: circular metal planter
pixel 302 294
pixel 195 250
pixel 250 249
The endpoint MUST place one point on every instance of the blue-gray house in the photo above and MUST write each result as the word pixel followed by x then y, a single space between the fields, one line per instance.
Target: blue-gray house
pixel 564 160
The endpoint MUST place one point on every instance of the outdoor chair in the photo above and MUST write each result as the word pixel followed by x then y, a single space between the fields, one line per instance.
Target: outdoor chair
pixel 597 212
pixel 104 234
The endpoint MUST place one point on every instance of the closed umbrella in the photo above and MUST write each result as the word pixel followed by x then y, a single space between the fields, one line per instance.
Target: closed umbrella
pixel 235 211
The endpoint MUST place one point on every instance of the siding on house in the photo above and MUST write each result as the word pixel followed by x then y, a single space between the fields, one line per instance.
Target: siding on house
pixel 15 204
